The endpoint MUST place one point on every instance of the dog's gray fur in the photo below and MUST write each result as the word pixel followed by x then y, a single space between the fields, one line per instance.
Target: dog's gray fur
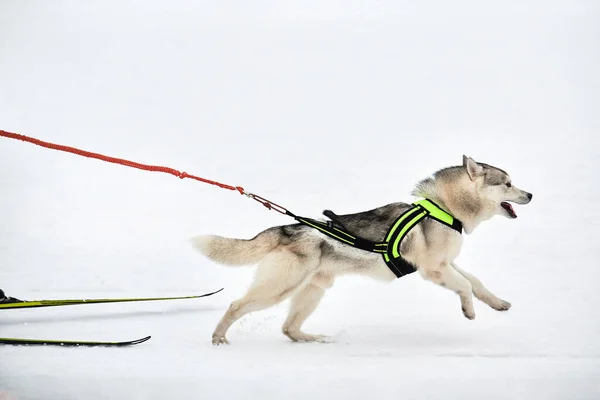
pixel 298 262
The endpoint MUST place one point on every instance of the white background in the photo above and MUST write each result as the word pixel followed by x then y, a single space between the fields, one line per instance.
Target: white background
pixel 315 104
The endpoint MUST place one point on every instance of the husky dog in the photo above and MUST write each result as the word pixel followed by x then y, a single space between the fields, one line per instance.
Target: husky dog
pixel 298 262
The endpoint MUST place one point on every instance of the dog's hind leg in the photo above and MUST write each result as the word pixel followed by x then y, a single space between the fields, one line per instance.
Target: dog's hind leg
pixel 483 293
pixel 304 302
pixel 279 274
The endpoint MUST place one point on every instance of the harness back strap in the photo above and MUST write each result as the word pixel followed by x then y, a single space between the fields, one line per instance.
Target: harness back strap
pixel 390 247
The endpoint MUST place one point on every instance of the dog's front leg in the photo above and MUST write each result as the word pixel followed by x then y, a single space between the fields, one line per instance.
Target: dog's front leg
pixel 446 276
pixel 483 293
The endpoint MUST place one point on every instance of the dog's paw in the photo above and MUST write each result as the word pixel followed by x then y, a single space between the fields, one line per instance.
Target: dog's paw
pixel 469 314
pixel 218 340
pixel 501 305
pixel 299 336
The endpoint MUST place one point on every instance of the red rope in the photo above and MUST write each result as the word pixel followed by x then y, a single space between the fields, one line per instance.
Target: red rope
pixel 115 160
pixel 270 205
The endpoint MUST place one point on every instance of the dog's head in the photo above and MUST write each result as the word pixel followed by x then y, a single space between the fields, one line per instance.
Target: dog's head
pixel 494 188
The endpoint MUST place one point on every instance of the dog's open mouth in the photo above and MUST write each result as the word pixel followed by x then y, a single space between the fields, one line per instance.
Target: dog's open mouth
pixel 509 209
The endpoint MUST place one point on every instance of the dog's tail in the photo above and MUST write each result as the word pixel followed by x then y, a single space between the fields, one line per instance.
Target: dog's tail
pixel 236 252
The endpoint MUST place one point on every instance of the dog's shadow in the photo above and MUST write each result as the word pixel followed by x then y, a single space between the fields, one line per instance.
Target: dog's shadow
pixel 408 341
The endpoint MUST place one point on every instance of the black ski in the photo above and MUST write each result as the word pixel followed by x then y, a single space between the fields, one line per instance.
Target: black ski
pixel 11 303
pixel 70 343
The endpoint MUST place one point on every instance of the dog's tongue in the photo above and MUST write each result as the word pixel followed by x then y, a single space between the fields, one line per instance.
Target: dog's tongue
pixel 509 208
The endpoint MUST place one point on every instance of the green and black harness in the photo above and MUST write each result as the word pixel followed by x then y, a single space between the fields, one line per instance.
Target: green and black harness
pixel 390 247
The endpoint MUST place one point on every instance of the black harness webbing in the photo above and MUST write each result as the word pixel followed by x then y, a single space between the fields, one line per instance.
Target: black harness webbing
pixel 390 247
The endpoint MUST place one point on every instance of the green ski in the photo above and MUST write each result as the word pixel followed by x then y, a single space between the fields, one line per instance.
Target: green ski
pixel 10 303
pixel 70 343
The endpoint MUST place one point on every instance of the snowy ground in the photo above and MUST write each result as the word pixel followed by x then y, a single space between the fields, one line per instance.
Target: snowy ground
pixel 340 105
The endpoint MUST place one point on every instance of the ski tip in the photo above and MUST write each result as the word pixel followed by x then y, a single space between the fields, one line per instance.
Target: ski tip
pixel 211 293
pixel 142 340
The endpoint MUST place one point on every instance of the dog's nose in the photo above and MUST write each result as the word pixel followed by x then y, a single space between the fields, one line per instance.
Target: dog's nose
pixel 529 196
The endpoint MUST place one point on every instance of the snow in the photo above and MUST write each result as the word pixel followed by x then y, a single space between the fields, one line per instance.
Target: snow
pixel 314 105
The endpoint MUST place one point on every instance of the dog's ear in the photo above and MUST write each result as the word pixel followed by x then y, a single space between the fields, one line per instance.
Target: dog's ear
pixel 473 169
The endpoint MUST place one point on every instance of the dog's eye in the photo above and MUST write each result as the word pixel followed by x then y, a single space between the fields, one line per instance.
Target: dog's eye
pixel 508 184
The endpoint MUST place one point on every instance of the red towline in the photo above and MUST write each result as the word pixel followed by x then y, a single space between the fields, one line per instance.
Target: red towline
pixel 146 167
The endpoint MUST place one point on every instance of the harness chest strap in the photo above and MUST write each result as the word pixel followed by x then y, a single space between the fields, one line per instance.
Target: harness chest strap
pixel 390 248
